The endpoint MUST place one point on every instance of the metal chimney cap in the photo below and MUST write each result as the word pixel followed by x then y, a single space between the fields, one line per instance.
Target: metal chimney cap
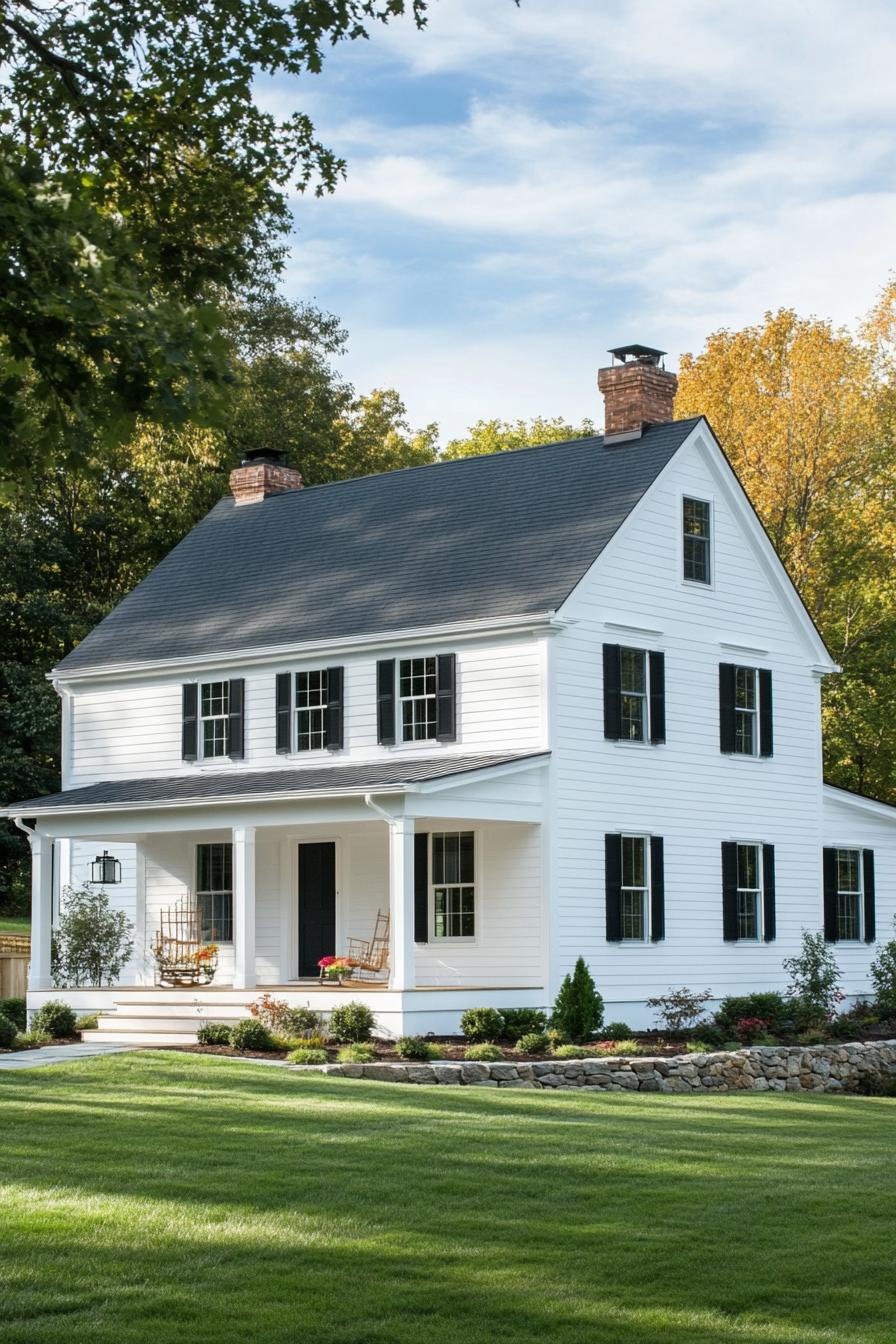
pixel 643 354
pixel 254 457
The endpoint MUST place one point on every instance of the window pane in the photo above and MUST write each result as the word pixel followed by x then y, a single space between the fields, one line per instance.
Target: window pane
pixel 745 687
pixel 454 895
pixel 848 870
pixel 747 867
pixel 633 924
pixel 214 892
pixel 633 676
pixel 695 519
pixel 417 693
pixel 633 861
pixel 848 922
pixel 747 914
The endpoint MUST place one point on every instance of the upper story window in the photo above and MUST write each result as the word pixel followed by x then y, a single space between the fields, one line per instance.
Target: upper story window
pixel 849 895
pixel 215 718
pixel 309 710
pixel 634 695
pixel 212 720
pixel 417 696
pixel 696 544
pixel 425 691
pixel 745 710
pixel 214 892
pixel 453 885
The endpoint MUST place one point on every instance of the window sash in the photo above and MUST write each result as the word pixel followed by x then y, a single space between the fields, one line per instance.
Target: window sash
pixel 214 892
pixel 849 895
pixel 633 694
pixel 746 710
pixel 417 698
pixel 696 539
pixel 452 879
pixel 749 893
pixel 635 889
pixel 214 716
pixel 311 700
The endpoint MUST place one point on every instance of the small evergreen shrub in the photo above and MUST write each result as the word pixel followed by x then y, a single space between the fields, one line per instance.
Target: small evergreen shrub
pixel 8 1033
pixel 578 1009
pixel 482 1024
pixel 87 1022
pixel 213 1033
pixel 303 1022
pixel 15 1010
pixel 814 978
pixel 523 1022
pixel 628 1047
pixel 305 1055
pixel 358 1053
pixel 412 1047
pixel 484 1053
pixel 250 1034
pixel 617 1031
pixel 351 1022
pixel 767 1004
pixel 533 1043
pixel 55 1018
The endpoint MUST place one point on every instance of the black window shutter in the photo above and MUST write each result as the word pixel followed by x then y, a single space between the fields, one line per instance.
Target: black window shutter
pixel 727 729
pixel 657 697
pixel 421 888
pixel 284 711
pixel 334 709
pixel 729 891
pixel 385 702
pixel 236 719
pixel 613 866
pixel 766 731
pixel 446 698
pixel 829 868
pixel 657 890
pixel 189 728
pixel 612 704
pixel 868 884
pixel 768 893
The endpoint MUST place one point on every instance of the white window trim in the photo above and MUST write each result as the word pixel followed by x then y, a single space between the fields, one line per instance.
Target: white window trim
pixel 697 583
pixel 747 755
pixel 437 939
pixel 860 941
pixel 197 845
pixel 647 890
pixel 202 719
pixel 759 846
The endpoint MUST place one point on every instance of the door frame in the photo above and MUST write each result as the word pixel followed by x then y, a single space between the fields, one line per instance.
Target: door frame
pixel 289 926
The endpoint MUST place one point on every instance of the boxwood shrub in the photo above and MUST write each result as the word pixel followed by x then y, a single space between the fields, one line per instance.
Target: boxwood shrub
pixel 55 1018
pixel 482 1024
pixel 15 1010
pixel 213 1033
pixel 250 1034
pixel 351 1022
pixel 484 1052
pixel 8 1033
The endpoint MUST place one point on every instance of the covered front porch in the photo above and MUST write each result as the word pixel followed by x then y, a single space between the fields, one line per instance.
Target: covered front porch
pixel 455 865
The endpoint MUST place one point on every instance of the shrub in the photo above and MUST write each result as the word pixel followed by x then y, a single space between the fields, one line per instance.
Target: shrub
pixel 412 1047
pixel 55 1018
pixel 92 941
pixel 482 1024
pixel 485 1052
pixel 311 1041
pixel 853 1025
pixel 883 976
pixel 250 1034
pixel 750 1029
pixel 571 1051
pixel 680 1009
pixel 615 1031
pixel 578 1009
pixel 305 1055
pixel 278 1016
pixel 8 1033
pixel 26 1038
pixel 213 1033
pixel 533 1043
pixel 358 1053
pixel 628 1047
pixel 87 1022
pixel 814 977
pixel 523 1022
pixel 767 1004
pixel 351 1022
pixel 15 1010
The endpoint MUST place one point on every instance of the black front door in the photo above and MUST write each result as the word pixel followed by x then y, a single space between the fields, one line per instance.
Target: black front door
pixel 317 905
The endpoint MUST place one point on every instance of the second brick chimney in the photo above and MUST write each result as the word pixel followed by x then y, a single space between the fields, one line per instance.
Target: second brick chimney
pixel 262 473
pixel 637 390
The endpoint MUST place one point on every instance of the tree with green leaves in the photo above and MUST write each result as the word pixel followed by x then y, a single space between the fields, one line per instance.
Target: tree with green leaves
pixel 502 436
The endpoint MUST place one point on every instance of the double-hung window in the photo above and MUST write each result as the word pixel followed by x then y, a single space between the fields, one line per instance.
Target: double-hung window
pixel 417 697
pixel 214 715
pixel 849 895
pixel 696 524
pixel 749 893
pixel 635 889
pixel 633 694
pixel 311 710
pixel 746 707
pixel 453 884
pixel 214 892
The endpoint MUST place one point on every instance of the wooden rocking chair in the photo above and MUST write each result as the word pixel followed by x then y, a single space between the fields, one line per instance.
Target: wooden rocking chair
pixel 371 958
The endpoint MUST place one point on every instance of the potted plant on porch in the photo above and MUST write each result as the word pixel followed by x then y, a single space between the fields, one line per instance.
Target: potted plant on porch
pixel 336 969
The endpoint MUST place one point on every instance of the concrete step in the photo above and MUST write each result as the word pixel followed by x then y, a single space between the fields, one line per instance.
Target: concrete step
pixel 140 1036
pixel 122 1021
pixel 229 1008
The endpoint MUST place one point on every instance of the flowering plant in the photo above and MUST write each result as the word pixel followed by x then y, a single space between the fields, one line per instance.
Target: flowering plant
pixel 746 1029
pixel 338 968
pixel 325 962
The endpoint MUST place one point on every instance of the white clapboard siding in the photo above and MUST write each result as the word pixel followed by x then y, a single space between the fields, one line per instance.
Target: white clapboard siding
pixel 122 895
pixel 848 825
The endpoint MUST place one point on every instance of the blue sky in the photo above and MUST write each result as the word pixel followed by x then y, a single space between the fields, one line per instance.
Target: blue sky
pixel 527 187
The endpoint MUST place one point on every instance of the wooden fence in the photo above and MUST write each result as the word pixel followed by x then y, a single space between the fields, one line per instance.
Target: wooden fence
pixel 15 954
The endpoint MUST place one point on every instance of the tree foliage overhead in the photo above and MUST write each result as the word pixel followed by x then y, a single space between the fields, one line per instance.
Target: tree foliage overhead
pixel 807 415
pixel 502 436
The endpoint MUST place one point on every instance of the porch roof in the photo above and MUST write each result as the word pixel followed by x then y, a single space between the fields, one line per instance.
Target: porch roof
pixel 380 776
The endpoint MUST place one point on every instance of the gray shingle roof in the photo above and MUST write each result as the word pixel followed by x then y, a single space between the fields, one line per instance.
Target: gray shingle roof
pixel 219 786
pixel 484 537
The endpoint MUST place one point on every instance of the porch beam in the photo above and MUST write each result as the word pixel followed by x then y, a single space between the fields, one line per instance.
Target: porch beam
pixel 244 907
pixel 39 970
pixel 401 903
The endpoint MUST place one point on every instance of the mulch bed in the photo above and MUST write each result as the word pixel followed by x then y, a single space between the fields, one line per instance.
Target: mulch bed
pixel 453 1048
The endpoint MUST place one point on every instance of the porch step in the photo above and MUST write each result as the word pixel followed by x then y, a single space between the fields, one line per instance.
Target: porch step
pixel 140 1036
pixel 126 1020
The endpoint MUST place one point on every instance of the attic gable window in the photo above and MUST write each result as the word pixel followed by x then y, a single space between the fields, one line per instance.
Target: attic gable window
pixel 417 696
pixel 215 715
pixel 696 540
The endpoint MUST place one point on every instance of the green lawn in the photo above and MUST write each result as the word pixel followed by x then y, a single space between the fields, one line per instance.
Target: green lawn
pixel 15 924
pixel 171 1198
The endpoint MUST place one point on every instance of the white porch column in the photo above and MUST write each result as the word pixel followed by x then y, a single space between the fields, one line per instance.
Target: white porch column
pixel 401 903
pixel 244 907
pixel 39 974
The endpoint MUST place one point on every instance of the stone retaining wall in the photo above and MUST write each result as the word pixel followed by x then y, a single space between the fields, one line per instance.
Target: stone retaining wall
pixel 774 1068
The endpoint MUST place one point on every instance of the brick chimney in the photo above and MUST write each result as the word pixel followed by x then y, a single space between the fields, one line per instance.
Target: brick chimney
pixel 262 473
pixel 637 392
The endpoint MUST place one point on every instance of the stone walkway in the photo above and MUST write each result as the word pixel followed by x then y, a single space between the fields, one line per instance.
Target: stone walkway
pixel 57 1054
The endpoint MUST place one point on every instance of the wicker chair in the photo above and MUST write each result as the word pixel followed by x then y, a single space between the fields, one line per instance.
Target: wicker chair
pixel 370 958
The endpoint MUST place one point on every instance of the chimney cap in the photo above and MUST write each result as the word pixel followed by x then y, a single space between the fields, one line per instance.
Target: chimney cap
pixel 254 457
pixel 643 354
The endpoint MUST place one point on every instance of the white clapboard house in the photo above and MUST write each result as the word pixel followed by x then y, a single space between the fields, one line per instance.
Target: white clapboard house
pixel 555 702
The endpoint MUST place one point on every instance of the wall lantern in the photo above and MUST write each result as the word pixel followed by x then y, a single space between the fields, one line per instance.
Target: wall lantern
pixel 105 870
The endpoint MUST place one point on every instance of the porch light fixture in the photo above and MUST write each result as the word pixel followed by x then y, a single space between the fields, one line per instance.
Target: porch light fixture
pixel 105 870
